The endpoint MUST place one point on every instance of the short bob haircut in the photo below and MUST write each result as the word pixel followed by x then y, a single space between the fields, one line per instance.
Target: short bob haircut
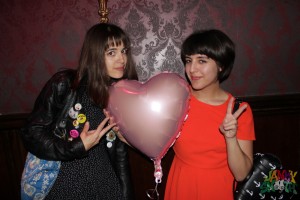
pixel 214 44
pixel 92 60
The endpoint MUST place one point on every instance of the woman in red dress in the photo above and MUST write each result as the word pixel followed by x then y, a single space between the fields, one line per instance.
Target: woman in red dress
pixel 215 146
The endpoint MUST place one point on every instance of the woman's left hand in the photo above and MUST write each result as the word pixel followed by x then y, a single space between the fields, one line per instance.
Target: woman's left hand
pixel 115 128
pixel 111 120
pixel 230 124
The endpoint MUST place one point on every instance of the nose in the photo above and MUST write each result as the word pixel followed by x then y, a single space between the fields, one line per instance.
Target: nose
pixel 121 57
pixel 192 66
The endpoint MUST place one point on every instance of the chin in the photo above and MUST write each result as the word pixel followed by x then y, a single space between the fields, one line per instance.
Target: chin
pixel 197 87
pixel 117 76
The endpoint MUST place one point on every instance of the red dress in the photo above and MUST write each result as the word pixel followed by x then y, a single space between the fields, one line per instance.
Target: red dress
pixel 200 170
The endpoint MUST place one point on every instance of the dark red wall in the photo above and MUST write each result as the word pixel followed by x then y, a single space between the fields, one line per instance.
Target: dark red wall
pixel 39 37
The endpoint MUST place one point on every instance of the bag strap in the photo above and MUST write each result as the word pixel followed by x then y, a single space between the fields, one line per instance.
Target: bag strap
pixel 236 106
pixel 61 121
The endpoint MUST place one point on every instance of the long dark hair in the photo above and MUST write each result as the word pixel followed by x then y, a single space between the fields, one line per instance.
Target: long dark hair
pixel 214 44
pixel 92 64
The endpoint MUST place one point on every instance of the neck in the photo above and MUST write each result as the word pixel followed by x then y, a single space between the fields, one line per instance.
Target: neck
pixel 215 96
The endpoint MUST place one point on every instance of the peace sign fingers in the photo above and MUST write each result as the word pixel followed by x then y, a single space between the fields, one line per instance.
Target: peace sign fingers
pixel 239 111
pixel 230 107
pixel 229 125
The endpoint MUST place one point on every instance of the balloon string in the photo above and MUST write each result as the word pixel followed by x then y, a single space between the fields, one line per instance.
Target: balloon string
pixel 153 193
pixel 158 171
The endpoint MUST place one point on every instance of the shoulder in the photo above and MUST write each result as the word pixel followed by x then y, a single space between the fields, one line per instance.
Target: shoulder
pixel 63 79
pixel 63 75
pixel 60 82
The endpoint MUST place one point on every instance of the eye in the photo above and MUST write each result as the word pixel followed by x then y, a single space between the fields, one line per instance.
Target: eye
pixel 110 53
pixel 124 51
pixel 187 60
pixel 202 61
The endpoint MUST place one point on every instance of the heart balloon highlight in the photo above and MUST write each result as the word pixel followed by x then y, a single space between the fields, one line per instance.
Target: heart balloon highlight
pixel 150 114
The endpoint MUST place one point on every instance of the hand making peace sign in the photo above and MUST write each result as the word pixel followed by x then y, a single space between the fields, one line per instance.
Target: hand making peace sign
pixel 229 125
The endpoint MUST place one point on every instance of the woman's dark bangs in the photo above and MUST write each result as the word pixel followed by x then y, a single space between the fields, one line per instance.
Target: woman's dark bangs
pixel 194 46
pixel 117 40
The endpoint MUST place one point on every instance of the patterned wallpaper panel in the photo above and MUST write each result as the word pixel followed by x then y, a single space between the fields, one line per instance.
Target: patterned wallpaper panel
pixel 40 37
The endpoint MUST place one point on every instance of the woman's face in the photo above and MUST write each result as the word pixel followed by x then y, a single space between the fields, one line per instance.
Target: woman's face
pixel 115 60
pixel 202 71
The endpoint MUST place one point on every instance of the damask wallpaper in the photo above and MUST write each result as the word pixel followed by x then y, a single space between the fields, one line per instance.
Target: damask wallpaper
pixel 40 37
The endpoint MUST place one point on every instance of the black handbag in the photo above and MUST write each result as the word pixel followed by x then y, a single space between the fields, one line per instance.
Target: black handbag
pixel 252 187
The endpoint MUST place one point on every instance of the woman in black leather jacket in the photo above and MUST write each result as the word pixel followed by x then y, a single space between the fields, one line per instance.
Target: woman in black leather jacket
pixel 65 124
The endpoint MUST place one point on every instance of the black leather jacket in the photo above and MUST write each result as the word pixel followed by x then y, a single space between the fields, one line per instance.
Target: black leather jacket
pixel 43 134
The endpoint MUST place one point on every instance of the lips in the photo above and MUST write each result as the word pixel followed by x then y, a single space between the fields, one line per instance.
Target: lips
pixel 195 78
pixel 120 68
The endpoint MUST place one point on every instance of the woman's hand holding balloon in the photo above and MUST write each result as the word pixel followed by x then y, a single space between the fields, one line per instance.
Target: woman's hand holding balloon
pixel 115 129
pixel 121 137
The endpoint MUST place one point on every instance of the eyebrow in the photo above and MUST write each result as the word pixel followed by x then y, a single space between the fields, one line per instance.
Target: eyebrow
pixel 199 56
pixel 111 48
pixel 115 48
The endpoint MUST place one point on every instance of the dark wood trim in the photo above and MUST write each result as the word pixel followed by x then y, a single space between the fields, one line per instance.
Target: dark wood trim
pixel 274 104
pixel 12 121
pixel 270 104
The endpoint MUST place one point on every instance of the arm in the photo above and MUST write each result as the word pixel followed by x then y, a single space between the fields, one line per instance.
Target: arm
pixel 45 135
pixel 38 134
pixel 123 169
pixel 240 152
pixel 240 157
pixel 119 156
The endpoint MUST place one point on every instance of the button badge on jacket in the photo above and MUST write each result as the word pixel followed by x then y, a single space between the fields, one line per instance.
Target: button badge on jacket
pixel 78 119
pixel 110 137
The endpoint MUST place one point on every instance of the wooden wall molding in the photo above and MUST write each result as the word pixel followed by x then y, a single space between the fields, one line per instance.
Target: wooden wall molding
pixel 12 121
pixel 261 105
pixel 274 104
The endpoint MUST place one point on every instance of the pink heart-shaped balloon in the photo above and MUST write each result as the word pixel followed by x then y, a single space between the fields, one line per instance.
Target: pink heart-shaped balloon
pixel 150 114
